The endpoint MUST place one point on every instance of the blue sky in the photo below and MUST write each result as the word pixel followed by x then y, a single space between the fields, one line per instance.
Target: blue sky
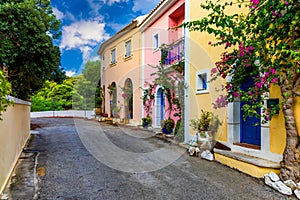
pixel 87 23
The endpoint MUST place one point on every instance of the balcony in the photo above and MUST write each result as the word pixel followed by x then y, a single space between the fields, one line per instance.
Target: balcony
pixel 175 53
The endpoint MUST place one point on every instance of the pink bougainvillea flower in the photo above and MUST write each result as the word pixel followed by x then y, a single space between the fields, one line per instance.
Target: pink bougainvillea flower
pixel 286 3
pixel 274 80
pixel 214 70
pixel 222 37
pixel 235 94
pixel 267 74
pixel 297 51
pixel 223 75
pixel 258 85
pixel 272 70
pixel 255 2
pixel 227 44
pixel 209 43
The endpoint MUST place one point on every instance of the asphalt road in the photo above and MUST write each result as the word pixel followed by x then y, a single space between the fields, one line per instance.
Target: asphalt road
pixel 80 159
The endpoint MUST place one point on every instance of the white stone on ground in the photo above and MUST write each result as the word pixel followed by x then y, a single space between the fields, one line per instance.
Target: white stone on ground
pixel 207 155
pixel 297 193
pixel 277 185
pixel 291 184
pixel 274 177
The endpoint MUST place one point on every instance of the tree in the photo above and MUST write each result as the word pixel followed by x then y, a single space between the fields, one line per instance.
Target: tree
pixel 54 96
pixel 5 89
pixel 91 72
pixel 27 53
pixel 261 43
pixel 87 85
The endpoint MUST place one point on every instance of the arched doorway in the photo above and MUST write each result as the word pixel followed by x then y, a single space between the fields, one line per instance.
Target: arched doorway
pixel 112 90
pixel 160 106
pixel 128 99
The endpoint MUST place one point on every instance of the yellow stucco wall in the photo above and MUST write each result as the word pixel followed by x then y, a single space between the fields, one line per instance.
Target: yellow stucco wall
pixel 247 168
pixel 297 113
pixel 203 57
pixel 14 133
pixel 277 126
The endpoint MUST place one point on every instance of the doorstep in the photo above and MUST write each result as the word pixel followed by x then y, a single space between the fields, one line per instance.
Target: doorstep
pixel 253 166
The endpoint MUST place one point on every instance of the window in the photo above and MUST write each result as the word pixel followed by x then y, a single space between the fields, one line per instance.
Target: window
pixel 202 82
pixel 128 49
pixel 113 56
pixel 155 41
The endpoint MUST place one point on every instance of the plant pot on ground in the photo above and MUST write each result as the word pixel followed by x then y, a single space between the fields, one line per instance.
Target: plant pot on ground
pixel 146 121
pixel 98 111
pixel 168 126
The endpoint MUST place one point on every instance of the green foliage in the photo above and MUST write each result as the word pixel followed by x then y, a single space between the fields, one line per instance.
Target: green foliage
pixel 27 30
pixel 54 96
pixel 168 124
pixel 146 121
pixel 5 89
pixel 92 72
pixel 88 86
pixel 148 99
pixel 171 78
pixel 81 92
pixel 202 123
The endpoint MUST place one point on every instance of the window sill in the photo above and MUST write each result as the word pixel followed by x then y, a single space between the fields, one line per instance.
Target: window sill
pixel 127 58
pixel 113 64
pixel 155 49
pixel 202 91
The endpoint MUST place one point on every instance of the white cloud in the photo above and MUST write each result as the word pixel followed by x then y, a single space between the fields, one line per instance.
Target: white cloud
pixel 85 50
pixel 70 16
pixel 70 73
pixel 145 6
pixel 94 58
pixel 110 2
pixel 59 14
pixel 83 35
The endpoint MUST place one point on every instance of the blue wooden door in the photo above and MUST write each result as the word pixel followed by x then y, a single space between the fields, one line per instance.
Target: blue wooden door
pixel 250 128
pixel 162 105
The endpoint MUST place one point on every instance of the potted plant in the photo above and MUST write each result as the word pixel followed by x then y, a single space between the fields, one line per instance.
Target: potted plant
pixel 116 110
pixel 202 124
pixel 168 126
pixel 146 121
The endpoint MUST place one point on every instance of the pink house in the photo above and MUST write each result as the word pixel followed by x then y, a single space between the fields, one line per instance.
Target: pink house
pixel 156 33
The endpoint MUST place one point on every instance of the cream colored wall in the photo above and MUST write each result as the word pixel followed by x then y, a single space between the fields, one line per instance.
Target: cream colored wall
pixel 203 57
pixel 123 69
pixel 14 132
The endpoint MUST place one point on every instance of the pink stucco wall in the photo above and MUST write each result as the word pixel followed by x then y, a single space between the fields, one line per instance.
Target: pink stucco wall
pixel 171 17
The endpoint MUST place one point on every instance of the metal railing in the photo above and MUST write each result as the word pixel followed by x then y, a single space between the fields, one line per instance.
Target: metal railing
pixel 175 53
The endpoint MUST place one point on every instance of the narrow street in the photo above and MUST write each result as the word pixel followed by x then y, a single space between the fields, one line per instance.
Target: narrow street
pixel 80 159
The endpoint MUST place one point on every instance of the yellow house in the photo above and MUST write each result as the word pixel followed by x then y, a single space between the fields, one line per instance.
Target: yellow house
pixel 121 74
pixel 255 150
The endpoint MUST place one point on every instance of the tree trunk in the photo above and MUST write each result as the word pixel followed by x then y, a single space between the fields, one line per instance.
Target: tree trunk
pixel 290 164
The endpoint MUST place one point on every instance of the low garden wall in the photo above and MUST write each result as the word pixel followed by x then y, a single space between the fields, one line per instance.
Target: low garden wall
pixel 14 133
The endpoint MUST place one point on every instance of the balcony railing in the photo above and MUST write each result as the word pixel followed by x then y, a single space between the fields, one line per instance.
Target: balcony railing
pixel 175 53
